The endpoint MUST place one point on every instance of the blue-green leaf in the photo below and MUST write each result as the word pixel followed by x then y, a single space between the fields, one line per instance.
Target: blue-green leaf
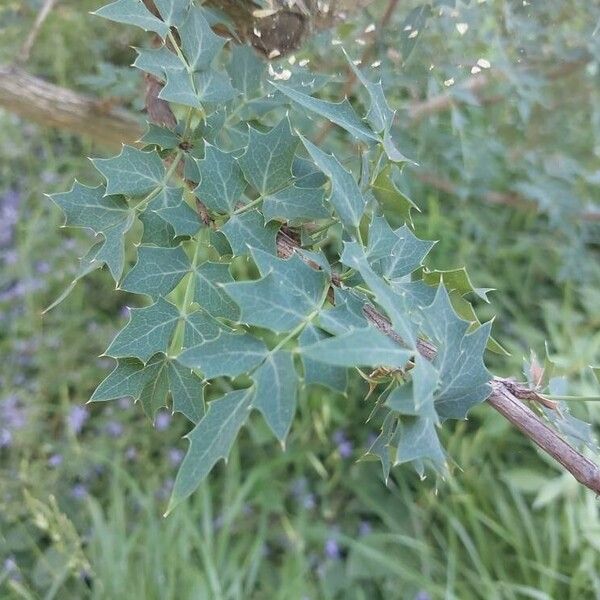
pixel 149 331
pixel 221 180
pixel 157 271
pixel 248 229
pixel 267 161
pixel 464 380
pixel 419 442
pixel 156 61
pixel 108 216
pixel 340 113
pixel 173 12
pixel 230 354
pixel 210 294
pixel 317 372
pixel 394 253
pixel 133 12
pixel 132 173
pixel 276 390
pixel 390 197
pixel 246 70
pixel 200 44
pixel 150 384
pixel 211 440
pixel 170 206
pixel 288 293
pixel 346 196
pixel 295 204
pixel 200 327
pixel 359 347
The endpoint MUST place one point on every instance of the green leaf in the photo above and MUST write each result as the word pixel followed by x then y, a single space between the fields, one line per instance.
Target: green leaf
pixel 357 347
pixel 464 380
pixel 170 206
pixel 160 136
pixel 267 161
pixel 157 271
pixel 187 391
pixel 149 331
pixel 109 216
pixel 221 180
pixel 379 116
pixel 394 253
pixel 455 279
pixel 394 304
pixel 246 70
pixel 210 294
pixel 132 173
pixel 381 447
pixel 213 87
pixel 173 12
pixel 345 196
pixel 150 384
pixel 157 232
pixel 230 354
pixel 418 442
pixel 211 440
pixel 288 293
pixel 276 390
pixel 316 372
pixel 346 314
pixel 156 61
pixel 340 113
pixel 247 230
pixel 200 44
pixel 133 12
pixel 200 328
pixel 414 22
pixel 390 197
pixel 296 205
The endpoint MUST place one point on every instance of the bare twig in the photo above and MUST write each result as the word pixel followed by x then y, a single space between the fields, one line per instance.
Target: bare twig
pixel 506 397
pixel 52 106
pixel 25 51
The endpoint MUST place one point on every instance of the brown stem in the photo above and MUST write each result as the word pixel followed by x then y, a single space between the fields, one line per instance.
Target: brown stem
pixel 506 397
pixel 52 106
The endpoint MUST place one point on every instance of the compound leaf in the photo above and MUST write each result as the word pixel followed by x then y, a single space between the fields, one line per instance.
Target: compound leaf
pixel 170 206
pixel 295 204
pixel 200 44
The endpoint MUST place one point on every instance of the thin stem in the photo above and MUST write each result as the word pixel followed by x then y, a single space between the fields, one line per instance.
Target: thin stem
pixel 246 207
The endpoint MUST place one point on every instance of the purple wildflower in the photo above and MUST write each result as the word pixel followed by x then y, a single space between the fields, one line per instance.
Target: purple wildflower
pixel 162 420
pixel 42 267
pixel 131 453
pixel 364 528
pixel 55 460
pixel 175 456
pixel 114 429
pixel 79 491
pixel 5 438
pixel 332 549
pixel 78 415
pixel 125 402
pixel 344 445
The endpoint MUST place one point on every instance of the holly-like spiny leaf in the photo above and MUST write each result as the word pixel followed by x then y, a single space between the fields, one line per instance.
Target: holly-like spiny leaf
pixel 248 230
pixel 133 12
pixel 132 173
pixel 211 440
pixel 109 216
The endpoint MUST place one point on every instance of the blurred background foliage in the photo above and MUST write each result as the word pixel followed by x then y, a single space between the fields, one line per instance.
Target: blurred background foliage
pixel 508 181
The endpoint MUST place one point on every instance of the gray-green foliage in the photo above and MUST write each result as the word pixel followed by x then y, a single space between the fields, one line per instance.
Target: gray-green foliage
pixel 281 322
